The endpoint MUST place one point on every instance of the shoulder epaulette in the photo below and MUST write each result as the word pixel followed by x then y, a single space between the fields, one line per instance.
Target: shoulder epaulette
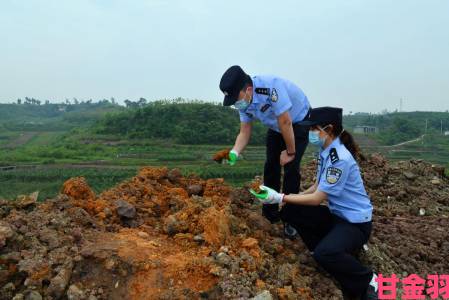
pixel 262 91
pixel 334 155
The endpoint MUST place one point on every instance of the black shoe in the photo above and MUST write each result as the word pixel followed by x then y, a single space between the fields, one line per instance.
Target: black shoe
pixel 371 292
pixel 290 232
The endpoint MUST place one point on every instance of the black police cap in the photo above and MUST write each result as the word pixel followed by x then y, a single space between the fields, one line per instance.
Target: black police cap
pixel 324 115
pixel 231 83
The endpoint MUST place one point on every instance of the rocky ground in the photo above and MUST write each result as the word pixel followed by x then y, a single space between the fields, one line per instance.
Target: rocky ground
pixel 164 236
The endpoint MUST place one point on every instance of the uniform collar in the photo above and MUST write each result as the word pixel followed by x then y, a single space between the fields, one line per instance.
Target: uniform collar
pixel 256 83
pixel 335 143
pixel 256 97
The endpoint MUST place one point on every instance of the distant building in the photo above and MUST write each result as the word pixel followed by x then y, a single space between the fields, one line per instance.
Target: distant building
pixel 365 129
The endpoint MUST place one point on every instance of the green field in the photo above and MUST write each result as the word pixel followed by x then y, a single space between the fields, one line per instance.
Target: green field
pixel 49 158
pixel 41 147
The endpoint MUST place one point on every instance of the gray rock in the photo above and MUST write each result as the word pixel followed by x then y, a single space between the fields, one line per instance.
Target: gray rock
pixel 59 283
pixel 174 175
pixel 5 233
pixel 32 295
pixel 195 189
pixel 409 175
pixel 125 209
pixel 18 297
pixel 265 295
pixel 75 293
pixel 223 259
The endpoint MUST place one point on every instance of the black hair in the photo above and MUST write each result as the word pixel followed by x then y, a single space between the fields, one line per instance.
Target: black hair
pixel 248 82
pixel 348 140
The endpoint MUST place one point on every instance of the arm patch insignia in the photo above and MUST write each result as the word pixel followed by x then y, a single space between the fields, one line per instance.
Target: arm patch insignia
pixel 265 107
pixel 333 175
pixel 274 95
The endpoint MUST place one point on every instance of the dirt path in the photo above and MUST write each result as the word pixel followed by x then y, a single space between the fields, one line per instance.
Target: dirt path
pixel 22 139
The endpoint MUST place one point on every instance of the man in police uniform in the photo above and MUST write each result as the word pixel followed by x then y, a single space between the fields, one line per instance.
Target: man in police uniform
pixel 280 105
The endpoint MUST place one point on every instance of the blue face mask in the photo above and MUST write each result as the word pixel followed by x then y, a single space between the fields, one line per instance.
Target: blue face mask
pixel 241 104
pixel 315 139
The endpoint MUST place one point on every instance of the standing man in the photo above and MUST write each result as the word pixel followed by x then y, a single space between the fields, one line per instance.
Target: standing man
pixel 279 104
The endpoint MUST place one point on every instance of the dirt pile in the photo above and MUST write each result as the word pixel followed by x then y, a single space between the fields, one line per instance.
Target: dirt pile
pixel 160 235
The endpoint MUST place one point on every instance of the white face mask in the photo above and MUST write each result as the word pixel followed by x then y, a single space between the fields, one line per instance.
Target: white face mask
pixel 241 104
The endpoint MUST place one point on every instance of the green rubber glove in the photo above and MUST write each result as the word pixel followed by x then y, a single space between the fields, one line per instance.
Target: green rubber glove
pixel 233 155
pixel 268 195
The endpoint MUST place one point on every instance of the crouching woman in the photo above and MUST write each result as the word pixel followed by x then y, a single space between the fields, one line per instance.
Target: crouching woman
pixel 333 232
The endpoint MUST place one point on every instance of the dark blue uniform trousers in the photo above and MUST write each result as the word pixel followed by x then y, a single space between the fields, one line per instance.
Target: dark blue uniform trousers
pixel 272 171
pixel 333 241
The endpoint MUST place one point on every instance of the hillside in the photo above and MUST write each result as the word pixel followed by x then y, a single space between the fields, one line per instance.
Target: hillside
pixel 52 117
pixel 200 123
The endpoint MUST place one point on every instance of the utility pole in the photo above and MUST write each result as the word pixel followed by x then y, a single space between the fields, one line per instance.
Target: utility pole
pixel 441 127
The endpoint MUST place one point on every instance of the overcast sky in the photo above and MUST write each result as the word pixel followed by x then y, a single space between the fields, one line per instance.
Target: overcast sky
pixel 360 55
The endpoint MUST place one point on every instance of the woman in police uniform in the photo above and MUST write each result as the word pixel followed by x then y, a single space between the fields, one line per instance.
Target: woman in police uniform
pixel 333 232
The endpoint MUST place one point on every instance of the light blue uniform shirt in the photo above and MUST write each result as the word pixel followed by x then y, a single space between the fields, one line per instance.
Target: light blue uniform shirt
pixel 273 96
pixel 339 177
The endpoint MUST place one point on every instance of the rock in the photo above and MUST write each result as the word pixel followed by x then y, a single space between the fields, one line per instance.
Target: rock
pixel 59 283
pixel 125 209
pixel 50 237
pixel 77 234
pixel 174 175
pixel 250 243
pixel 18 297
pixel 265 295
pixel 224 249
pixel 409 175
pixel 107 212
pixel 7 291
pixel 375 182
pixel 32 295
pixel 5 233
pixel 143 235
pixel 223 259
pixel 172 226
pixel 195 189
pixel 24 201
pixel 199 238
pixel 75 293
pixel 81 217
pixel 435 181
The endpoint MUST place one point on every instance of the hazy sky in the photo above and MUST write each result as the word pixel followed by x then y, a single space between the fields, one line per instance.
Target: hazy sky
pixel 360 55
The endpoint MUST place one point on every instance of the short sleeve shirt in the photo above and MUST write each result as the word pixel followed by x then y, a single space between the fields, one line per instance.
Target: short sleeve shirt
pixel 338 176
pixel 272 96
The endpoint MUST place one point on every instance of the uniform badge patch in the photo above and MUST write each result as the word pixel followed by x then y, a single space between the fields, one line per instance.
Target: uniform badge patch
pixel 333 175
pixel 265 107
pixel 274 95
